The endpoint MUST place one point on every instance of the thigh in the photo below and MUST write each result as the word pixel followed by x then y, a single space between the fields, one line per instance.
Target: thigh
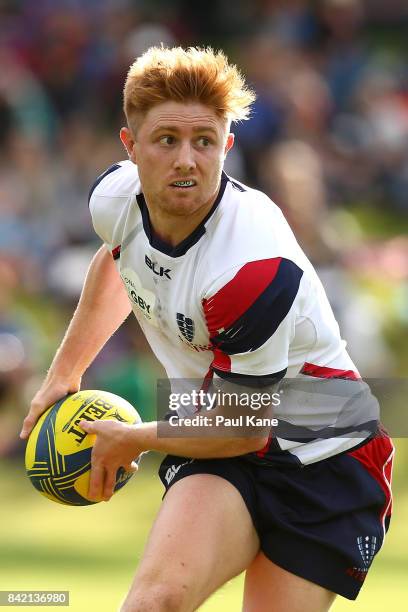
pixel 270 588
pixel 202 537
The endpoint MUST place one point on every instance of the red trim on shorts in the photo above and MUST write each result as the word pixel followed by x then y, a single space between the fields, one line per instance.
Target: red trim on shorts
pixel 261 453
pixel 377 457
pixel 310 369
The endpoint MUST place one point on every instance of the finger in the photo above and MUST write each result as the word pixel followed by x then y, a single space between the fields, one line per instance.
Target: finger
pixel 28 425
pixel 96 483
pixel 110 482
pixel 37 408
pixel 26 428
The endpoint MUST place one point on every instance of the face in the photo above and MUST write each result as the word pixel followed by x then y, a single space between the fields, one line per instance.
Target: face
pixel 180 151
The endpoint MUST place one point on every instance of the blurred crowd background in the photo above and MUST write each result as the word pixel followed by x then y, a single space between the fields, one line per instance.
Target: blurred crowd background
pixel 328 142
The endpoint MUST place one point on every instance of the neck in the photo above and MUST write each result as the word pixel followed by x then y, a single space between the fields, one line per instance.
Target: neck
pixel 174 228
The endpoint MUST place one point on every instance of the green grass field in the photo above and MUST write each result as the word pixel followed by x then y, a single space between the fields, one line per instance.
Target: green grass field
pixel 93 551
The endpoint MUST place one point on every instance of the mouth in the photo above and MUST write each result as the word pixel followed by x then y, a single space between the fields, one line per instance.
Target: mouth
pixel 184 184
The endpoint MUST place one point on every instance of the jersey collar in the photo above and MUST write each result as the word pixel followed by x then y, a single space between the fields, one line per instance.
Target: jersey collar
pixel 186 244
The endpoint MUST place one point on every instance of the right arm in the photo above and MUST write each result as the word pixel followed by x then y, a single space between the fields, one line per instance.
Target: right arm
pixel 102 308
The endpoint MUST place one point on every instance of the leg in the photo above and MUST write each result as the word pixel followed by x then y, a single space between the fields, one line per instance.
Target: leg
pixel 202 537
pixel 269 588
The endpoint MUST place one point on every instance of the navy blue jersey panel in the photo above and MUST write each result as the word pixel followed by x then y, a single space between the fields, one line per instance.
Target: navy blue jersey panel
pixel 249 380
pixel 264 316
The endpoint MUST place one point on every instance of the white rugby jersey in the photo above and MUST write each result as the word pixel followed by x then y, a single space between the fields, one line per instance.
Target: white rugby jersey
pixel 236 299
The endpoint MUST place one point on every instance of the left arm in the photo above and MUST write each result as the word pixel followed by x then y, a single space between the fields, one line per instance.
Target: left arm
pixel 118 444
pixel 151 436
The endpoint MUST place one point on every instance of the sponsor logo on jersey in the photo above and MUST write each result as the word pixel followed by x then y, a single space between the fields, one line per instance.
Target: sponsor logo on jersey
pixel 196 347
pixel 142 298
pixel 156 269
pixel 186 326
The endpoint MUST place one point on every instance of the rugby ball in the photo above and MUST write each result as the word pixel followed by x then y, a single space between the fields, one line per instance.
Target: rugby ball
pixel 58 452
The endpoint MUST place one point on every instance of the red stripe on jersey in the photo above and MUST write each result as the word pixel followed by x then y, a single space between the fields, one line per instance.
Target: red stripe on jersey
pixel 377 457
pixel 221 361
pixel 116 252
pixel 207 380
pixel 233 300
pixel 310 369
pixel 206 384
pixel 261 453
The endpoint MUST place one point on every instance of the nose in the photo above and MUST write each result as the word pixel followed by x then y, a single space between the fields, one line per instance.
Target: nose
pixel 185 161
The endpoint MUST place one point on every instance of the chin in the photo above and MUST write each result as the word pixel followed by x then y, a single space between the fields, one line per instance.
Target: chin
pixel 182 206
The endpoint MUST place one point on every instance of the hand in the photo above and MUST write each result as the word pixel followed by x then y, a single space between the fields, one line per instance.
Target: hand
pixel 50 392
pixel 115 447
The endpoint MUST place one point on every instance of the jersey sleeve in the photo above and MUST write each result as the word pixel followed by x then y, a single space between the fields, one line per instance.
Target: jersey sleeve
pixel 103 210
pixel 250 315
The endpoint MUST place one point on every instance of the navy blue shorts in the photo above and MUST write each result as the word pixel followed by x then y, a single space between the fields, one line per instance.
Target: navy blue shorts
pixel 324 521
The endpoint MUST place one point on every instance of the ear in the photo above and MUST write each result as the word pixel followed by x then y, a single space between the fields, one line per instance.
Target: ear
pixel 229 144
pixel 129 143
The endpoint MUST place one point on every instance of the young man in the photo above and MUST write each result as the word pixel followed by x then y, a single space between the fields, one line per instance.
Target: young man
pixel 224 295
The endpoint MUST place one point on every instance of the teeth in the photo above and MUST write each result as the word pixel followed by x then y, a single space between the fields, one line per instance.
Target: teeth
pixel 183 183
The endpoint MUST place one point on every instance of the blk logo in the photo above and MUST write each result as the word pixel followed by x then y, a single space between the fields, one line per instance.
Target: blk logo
pixel 156 269
pixel 173 469
pixel 186 326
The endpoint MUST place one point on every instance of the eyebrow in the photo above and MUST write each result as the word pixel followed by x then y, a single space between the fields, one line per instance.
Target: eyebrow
pixel 196 128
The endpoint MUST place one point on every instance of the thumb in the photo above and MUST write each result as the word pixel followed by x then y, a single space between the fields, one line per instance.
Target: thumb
pixel 131 467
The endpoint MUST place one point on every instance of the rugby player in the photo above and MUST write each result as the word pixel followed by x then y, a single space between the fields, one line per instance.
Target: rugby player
pixel 224 294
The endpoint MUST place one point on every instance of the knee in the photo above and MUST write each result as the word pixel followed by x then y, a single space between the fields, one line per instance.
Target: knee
pixel 160 597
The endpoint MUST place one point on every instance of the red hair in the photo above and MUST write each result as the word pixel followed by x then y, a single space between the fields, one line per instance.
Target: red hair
pixel 182 75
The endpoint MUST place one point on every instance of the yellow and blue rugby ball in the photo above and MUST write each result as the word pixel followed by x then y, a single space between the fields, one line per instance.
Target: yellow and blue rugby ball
pixel 58 452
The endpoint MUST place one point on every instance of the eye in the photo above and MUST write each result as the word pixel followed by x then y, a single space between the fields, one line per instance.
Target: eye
pixel 167 140
pixel 204 141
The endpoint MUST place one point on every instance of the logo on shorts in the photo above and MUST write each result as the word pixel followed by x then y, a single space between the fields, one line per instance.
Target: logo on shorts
pixel 186 326
pixel 367 546
pixel 173 469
